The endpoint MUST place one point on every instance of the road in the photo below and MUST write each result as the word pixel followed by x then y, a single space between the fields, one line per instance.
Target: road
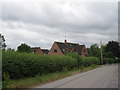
pixel 104 77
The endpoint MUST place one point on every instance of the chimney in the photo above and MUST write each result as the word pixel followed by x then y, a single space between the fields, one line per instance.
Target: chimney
pixel 65 41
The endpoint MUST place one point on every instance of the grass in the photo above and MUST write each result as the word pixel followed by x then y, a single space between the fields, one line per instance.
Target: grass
pixel 40 80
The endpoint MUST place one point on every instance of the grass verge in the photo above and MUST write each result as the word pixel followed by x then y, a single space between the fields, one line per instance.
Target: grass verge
pixel 39 80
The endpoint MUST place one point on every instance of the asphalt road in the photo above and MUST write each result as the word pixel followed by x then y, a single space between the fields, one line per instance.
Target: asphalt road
pixel 104 77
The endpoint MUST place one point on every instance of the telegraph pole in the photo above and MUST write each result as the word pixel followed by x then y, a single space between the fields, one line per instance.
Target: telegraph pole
pixel 101 52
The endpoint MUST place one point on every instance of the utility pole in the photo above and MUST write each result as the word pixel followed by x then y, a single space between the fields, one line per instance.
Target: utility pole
pixel 101 52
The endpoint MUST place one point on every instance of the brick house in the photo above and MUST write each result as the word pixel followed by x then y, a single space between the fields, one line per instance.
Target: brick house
pixel 45 51
pixel 39 51
pixel 60 48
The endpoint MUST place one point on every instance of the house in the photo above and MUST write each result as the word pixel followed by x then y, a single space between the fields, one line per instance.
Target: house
pixel 60 48
pixel 45 51
pixel 39 51
pixel 36 50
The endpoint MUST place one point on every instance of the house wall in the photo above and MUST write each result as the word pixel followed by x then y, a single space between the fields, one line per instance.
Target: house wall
pixel 84 52
pixel 55 47
pixel 39 51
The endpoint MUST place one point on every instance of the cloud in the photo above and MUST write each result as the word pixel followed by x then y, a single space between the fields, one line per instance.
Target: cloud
pixel 40 24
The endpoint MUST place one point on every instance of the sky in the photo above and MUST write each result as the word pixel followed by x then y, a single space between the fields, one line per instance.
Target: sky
pixel 39 24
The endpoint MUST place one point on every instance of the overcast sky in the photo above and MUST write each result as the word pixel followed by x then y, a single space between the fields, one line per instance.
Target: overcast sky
pixel 42 23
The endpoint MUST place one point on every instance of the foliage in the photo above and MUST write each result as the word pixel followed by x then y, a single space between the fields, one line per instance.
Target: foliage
pixel 41 79
pixel 94 50
pixel 76 56
pixel 2 42
pixel 87 61
pixel 6 82
pixel 10 49
pixel 24 48
pixel 117 60
pixel 108 55
pixel 108 60
pixel 84 61
pixel 21 65
pixel 111 60
pixel 114 48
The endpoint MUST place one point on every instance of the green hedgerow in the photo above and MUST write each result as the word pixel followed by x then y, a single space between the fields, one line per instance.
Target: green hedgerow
pixel 21 65
pixel 87 61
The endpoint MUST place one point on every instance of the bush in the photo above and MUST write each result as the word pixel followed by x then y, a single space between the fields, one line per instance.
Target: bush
pixel 117 60
pixel 20 65
pixel 87 61
pixel 77 57
pixel 108 60
pixel 6 82
pixel 83 61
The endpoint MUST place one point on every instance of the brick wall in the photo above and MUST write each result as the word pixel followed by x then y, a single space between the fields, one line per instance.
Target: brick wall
pixel 53 50
pixel 39 51
pixel 84 52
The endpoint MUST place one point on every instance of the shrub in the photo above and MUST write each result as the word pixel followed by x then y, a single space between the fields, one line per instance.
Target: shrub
pixel 87 61
pixel 109 60
pixel 6 82
pixel 20 65
pixel 76 56
pixel 117 60
pixel 83 61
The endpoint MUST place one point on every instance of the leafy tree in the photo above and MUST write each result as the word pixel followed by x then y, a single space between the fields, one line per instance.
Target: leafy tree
pixel 113 47
pixel 2 42
pixel 10 49
pixel 94 50
pixel 105 54
pixel 24 48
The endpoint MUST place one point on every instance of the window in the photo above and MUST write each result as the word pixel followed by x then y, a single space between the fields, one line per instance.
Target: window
pixel 55 50
pixel 84 50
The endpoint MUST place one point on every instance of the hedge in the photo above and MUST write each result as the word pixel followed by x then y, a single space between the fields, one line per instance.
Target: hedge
pixel 87 61
pixel 20 65
pixel 76 56
pixel 111 60
pixel 84 61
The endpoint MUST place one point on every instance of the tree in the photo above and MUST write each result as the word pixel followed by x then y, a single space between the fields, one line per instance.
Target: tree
pixel 94 50
pixel 2 42
pixel 10 49
pixel 24 48
pixel 106 54
pixel 113 47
